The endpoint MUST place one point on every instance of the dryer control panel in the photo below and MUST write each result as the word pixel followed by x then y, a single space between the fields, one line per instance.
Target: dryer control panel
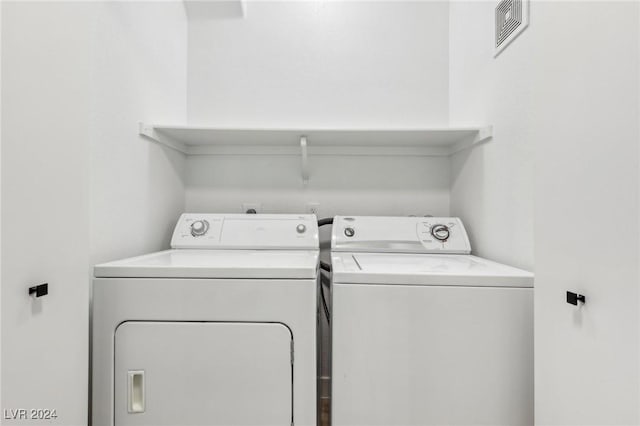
pixel 399 235
pixel 246 231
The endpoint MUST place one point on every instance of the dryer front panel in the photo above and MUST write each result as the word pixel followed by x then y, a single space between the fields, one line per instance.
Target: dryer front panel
pixel 203 373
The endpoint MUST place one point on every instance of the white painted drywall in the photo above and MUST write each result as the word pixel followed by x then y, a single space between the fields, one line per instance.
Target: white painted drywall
pixel 561 171
pixel 341 185
pixel 587 177
pixel 320 63
pixel 139 74
pixel 78 184
pixel 45 208
pixel 201 10
pixel 0 203
pixel 492 184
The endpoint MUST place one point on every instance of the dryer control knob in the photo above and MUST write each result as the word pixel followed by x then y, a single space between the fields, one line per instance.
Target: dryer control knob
pixel 199 228
pixel 440 232
pixel 301 228
pixel 349 232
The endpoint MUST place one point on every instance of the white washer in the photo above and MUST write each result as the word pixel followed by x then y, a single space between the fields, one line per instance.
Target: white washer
pixel 220 330
pixel 423 332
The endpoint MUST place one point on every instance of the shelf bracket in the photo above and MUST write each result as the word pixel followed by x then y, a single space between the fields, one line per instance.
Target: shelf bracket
pixel 483 135
pixel 149 132
pixel 305 160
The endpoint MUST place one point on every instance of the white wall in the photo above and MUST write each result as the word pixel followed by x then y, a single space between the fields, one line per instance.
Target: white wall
pixel 321 64
pixel 561 169
pixel 45 208
pixel 587 158
pixel 79 185
pixel 492 184
pixel 0 202
pixel 139 74
pixel 341 185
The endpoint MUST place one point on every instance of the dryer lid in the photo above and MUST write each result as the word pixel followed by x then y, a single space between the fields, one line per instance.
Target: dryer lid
pixel 236 264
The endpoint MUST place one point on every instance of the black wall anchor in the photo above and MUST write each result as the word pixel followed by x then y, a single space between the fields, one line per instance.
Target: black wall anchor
pixel 39 290
pixel 574 298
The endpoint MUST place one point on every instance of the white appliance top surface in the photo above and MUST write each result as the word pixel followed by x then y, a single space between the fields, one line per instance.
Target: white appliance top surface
pixel 425 269
pixel 202 263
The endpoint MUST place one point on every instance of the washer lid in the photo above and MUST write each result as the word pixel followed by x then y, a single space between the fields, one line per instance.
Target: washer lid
pixel 425 269
pixel 193 263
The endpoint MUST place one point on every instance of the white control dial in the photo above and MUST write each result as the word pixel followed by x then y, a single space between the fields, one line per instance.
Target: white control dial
pixel 440 232
pixel 199 228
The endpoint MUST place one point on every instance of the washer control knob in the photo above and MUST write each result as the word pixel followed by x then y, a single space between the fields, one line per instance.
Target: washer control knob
pixel 199 228
pixel 301 228
pixel 440 232
pixel 349 232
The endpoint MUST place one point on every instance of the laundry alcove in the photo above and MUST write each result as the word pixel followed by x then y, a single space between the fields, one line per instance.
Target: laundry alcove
pixel 298 158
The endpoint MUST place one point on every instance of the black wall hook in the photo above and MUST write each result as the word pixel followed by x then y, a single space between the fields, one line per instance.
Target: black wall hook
pixel 39 290
pixel 574 298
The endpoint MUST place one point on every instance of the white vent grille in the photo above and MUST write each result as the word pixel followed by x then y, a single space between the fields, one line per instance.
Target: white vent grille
pixel 512 17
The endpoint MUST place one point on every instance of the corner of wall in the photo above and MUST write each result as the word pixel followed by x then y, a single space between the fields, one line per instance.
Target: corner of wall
pixel 134 212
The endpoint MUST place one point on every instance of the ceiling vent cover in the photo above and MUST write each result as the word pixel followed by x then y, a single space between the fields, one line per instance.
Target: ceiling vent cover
pixel 512 17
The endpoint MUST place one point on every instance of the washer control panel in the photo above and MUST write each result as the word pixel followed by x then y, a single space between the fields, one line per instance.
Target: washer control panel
pixel 246 231
pixel 400 234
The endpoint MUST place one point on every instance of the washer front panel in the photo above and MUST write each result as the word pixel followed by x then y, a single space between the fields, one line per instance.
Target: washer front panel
pixel 431 355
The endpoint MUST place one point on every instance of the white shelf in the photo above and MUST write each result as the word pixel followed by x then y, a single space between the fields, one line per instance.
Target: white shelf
pixel 196 140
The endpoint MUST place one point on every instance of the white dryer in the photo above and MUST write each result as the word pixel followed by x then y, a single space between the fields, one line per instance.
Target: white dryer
pixel 423 332
pixel 219 330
